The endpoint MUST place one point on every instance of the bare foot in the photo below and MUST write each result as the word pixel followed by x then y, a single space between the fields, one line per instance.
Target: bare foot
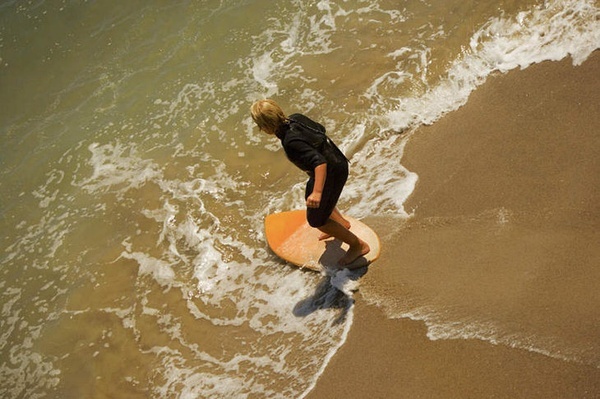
pixel 354 253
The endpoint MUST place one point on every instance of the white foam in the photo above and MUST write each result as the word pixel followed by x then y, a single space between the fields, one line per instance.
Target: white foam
pixel 551 32
pixel 31 373
pixel 444 325
pixel 160 270
pixel 303 35
pixel 262 71
pixel 346 281
pixel 382 192
pixel 117 166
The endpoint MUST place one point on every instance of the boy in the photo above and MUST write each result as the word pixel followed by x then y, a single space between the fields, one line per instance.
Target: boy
pixel 307 146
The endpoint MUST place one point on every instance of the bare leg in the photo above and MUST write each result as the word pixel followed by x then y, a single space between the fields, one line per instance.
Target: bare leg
pixel 357 247
pixel 337 217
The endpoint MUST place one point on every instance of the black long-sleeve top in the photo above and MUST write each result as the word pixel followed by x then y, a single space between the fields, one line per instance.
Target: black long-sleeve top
pixel 306 145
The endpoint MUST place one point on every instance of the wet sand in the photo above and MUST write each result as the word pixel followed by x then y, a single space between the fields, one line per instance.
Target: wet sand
pixel 506 221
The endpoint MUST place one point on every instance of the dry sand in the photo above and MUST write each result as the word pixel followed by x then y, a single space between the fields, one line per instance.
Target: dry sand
pixel 506 226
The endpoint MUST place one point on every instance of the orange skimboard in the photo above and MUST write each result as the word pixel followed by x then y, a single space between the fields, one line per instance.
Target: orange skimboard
pixel 292 239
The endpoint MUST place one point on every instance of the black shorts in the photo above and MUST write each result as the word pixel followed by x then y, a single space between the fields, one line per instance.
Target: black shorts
pixel 337 174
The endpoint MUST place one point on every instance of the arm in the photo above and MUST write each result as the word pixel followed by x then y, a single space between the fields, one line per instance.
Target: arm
pixel 314 199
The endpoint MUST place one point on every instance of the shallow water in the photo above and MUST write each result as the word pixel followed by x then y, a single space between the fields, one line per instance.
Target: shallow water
pixel 134 186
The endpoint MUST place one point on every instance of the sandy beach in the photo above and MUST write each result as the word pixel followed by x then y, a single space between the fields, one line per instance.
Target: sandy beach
pixel 505 228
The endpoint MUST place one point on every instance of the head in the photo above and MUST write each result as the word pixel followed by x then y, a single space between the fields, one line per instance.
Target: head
pixel 267 115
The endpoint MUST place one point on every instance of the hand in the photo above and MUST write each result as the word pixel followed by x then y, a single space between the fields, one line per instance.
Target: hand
pixel 313 200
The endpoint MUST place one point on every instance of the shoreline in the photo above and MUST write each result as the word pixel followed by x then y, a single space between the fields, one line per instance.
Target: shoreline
pixel 393 358
pixel 512 179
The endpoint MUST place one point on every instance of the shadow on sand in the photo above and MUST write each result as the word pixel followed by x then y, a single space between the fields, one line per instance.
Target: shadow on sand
pixel 334 291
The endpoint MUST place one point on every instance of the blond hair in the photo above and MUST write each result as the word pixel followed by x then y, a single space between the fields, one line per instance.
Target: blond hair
pixel 267 115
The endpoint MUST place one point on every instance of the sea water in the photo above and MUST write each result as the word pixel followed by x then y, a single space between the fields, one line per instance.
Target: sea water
pixel 134 185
